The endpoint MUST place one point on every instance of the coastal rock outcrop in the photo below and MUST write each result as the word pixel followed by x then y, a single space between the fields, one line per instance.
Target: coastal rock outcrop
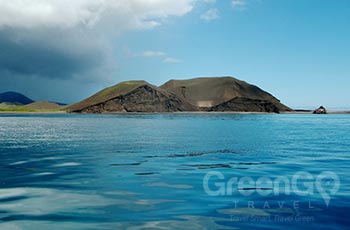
pixel 320 110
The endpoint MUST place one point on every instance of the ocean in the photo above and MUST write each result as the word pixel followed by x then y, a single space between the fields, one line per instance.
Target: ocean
pixel 174 171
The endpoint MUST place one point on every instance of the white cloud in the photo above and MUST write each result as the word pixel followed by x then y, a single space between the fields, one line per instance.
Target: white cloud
pixel 151 53
pixel 210 14
pixel 125 14
pixel 239 4
pixel 171 60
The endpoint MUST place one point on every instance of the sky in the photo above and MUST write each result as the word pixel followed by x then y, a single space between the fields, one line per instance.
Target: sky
pixel 63 50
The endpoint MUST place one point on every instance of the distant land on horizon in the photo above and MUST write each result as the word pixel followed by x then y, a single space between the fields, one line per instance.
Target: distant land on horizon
pixel 17 102
pixel 15 98
pixel 204 94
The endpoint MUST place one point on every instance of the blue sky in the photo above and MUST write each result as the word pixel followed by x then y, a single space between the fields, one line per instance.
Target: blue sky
pixel 297 50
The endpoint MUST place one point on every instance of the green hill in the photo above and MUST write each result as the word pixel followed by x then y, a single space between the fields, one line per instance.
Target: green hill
pixel 40 106
pixel 13 107
pixel 43 105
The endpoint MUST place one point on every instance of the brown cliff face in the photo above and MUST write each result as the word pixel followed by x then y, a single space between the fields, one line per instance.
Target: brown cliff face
pixel 240 104
pixel 140 97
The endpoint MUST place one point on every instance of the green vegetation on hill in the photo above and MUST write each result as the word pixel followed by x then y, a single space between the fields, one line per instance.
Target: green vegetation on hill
pixel 9 107
pixel 43 105
pixel 108 93
pixel 32 107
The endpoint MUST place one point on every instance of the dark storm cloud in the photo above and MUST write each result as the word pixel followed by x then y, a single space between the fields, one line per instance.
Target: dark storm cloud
pixel 51 53
pixel 73 39
pixel 61 49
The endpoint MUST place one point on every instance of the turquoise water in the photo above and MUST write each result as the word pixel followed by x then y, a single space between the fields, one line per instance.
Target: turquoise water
pixel 147 171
